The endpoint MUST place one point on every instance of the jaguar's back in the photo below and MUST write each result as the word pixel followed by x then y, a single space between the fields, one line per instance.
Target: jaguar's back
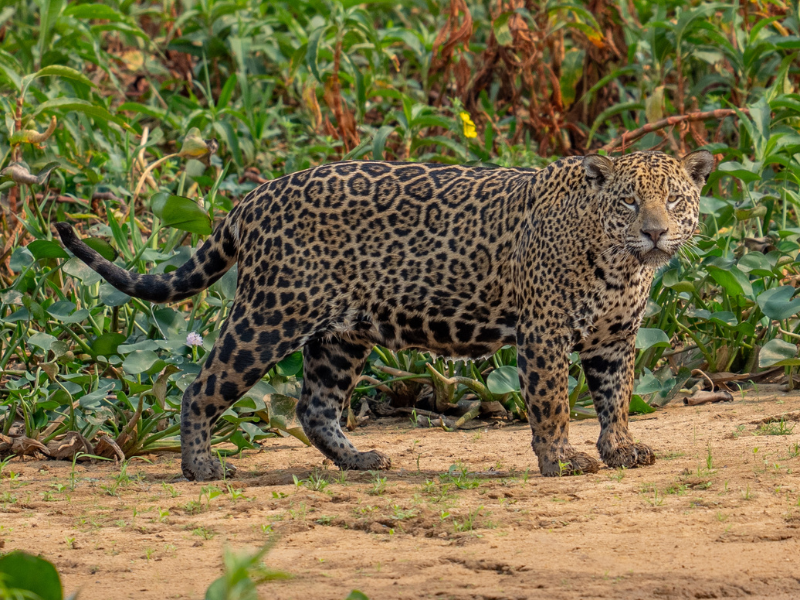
pixel 409 249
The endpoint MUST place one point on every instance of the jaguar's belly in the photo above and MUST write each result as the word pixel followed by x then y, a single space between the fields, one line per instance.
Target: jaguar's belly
pixel 461 334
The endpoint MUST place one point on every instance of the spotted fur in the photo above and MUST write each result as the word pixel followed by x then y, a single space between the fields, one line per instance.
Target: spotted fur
pixel 456 260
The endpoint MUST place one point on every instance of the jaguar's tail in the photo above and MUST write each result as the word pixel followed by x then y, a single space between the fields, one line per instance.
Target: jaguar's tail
pixel 207 265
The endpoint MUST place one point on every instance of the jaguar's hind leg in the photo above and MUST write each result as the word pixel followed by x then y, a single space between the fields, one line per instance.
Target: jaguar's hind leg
pixel 240 358
pixel 331 369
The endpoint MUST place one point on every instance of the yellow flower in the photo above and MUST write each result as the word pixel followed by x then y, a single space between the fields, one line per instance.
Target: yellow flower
pixel 469 126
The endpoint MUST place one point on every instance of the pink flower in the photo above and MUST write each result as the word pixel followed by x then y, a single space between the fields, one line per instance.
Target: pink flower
pixel 194 339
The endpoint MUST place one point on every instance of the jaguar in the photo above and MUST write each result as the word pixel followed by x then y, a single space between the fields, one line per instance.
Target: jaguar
pixel 456 260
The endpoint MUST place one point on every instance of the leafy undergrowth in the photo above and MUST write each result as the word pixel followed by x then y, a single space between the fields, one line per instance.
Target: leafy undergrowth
pixel 144 123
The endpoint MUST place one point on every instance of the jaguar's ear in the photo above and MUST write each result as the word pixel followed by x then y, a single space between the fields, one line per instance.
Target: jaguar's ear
pixel 698 165
pixel 599 171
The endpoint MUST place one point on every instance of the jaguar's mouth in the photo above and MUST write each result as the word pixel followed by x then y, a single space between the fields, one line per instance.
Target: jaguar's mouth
pixel 654 258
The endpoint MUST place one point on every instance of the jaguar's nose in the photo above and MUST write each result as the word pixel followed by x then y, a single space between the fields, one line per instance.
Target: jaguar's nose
pixel 654 233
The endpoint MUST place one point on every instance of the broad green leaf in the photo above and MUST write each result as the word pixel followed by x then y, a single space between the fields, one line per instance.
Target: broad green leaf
pixel 724 318
pixel 757 212
pixel 259 390
pixel 107 344
pixel 651 338
pixel 20 259
pixel 46 249
pixel 778 303
pixel 111 296
pixel 41 340
pixel 102 247
pixel 93 399
pixel 64 312
pixel 139 361
pixel 62 308
pixel 181 213
pixel 735 169
pixel 80 270
pixel 732 279
pixel 672 280
pixel 639 407
pixel 291 365
pixel 776 353
pixel 755 263
pixel 503 381
pixel 31 574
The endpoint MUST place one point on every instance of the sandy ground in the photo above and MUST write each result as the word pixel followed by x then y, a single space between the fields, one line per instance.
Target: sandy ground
pixel 717 516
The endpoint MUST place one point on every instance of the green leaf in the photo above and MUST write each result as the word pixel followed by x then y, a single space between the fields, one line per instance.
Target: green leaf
pixel 93 11
pixel 672 280
pixel 312 52
pixel 38 577
pixel 227 92
pixel 111 296
pixel 778 304
pixel 291 365
pixel 639 407
pixel 743 214
pixel 502 32
pixel 651 338
pixel 735 169
pixel 64 312
pixel 224 128
pixel 107 344
pixel 20 259
pixel 60 71
pixel 777 353
pixel 139 361
pixel 46 249
pixel 356 595
pixel 49 10
pixel 755 263
pixel 181 213
pixel 732 279
pixel 102 247
pixel 503 380
pixel 379 141
pixel 87 108
pixel 42 340
pixel 10 74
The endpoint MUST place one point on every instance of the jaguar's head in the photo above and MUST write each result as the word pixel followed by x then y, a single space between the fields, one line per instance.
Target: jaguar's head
pixel 649 201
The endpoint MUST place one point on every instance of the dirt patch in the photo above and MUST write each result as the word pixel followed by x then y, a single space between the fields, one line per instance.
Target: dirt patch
pixel 717 516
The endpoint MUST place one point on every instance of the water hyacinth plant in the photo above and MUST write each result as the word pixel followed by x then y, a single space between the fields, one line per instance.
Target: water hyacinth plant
pixel 144 123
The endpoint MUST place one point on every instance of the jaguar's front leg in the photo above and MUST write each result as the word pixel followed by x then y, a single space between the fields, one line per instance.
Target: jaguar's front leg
pixel 609 372
pixel 543 363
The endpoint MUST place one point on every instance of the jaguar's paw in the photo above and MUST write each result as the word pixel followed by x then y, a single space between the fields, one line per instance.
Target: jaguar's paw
pixel 366 461
pixel 573 463
pixel 204 467
pixel 627 455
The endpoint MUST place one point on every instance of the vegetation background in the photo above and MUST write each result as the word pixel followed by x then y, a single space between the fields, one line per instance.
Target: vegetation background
pixel 107 109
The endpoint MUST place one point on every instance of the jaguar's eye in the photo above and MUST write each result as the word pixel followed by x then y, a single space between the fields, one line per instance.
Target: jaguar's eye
pixel 674 201
pixel 630 200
